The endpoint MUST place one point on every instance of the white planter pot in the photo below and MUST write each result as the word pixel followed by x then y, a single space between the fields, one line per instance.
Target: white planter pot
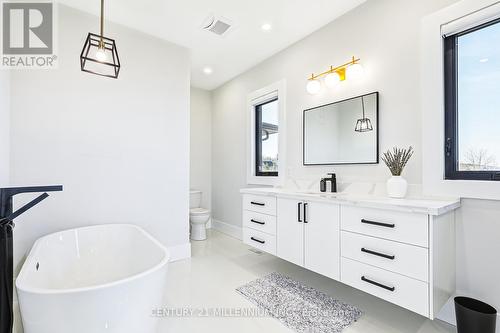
pixel 397 187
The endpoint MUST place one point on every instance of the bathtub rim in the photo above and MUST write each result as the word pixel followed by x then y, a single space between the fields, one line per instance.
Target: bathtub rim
pixel 20 285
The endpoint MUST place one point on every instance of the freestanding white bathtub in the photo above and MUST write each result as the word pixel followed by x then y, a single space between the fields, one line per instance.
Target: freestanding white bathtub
pixel 105 278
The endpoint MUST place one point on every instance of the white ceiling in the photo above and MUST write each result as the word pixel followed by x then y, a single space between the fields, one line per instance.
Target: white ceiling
pixel 179 21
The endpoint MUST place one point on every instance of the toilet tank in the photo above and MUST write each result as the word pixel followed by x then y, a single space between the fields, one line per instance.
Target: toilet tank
pixel 194 199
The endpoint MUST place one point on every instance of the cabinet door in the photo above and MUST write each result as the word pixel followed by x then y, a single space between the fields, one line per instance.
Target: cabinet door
pixel 322 239
pixel 290 231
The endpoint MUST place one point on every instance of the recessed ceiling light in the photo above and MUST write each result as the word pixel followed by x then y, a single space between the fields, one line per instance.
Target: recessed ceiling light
pixel 266 27
pixel 484 60
pixel 208 70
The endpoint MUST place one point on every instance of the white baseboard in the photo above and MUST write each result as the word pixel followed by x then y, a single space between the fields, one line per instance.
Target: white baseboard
pixel 228 229
pixel 180 252
pixel 447 313
pixel 18 326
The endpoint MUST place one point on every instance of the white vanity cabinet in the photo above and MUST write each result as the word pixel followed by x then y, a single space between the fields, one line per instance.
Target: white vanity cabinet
pixel 385 253
pixel 259 222
pixel 402 251
pixel 290 227
pixel 308 235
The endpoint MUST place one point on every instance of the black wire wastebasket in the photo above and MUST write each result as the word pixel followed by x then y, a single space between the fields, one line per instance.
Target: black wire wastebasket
pixel 474 316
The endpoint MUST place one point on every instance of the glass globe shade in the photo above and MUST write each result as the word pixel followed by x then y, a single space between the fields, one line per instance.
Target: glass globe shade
pixel 332 80
pixel 313 87
pixel 354 72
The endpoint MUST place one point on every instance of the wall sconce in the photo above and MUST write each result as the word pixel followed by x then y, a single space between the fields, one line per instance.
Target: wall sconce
pixel 351 70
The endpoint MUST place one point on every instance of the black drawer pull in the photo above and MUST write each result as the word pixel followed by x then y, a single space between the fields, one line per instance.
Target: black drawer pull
pixel 257 203
pixel 257 240
pixel 380 224
pixel 258 222
pixel 378 254
pixel 305 213
pixel 299 218
pixel 378 284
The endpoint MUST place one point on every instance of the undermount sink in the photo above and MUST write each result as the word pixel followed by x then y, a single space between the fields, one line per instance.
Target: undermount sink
pixel 322 194
pixel 310 192
pixel 333 195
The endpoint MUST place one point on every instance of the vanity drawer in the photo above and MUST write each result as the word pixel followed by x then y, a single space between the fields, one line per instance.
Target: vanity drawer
pixel 398 226
pixel 260 204
pixel 260 222
pixel 409 260
pixel 259 240
pixel 395 288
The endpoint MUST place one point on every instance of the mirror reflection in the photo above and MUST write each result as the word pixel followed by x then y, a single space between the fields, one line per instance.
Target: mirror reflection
pixel 344 132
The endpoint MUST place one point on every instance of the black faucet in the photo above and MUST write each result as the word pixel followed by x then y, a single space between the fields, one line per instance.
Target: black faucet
pixel 332 179
pixel 7 216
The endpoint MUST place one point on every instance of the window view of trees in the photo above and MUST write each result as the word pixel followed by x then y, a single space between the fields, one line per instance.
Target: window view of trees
pixel 475 159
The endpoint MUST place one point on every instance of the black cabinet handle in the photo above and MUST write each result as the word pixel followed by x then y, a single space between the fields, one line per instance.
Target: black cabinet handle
pixel 257 203
pixel 378 254
pixel 299 217
pixel 305 213
pixel 257 240
pixel 380 224
pixel 258 222
pixel 378 284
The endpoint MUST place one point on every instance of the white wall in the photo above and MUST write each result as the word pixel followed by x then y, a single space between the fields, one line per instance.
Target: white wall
pixel 201 144
pixel 4 127
pixel 119 147
pixel 385 35
pixel 478 247
pixel 389 51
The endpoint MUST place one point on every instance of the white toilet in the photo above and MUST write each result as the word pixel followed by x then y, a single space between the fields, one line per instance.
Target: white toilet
pixel 198 216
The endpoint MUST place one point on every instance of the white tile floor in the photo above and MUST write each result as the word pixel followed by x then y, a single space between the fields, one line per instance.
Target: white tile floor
pixel 221 264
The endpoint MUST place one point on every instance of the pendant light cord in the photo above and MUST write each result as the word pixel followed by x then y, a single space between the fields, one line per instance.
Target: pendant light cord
pixel 363 104
pixel 102 23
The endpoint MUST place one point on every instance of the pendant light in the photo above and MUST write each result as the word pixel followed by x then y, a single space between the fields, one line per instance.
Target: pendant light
pixel 364 124
pixel 99 55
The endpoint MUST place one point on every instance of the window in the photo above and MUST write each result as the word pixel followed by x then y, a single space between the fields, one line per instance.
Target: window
pixel 266 138
pixel 266 133
pixel 472 103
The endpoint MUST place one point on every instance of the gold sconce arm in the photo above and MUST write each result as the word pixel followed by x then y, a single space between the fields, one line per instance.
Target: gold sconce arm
pixel 340 70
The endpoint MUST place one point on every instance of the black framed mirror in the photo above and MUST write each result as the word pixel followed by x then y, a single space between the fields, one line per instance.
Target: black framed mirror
pixel 343 132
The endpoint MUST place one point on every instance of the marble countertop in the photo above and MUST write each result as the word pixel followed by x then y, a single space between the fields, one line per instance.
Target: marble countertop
pixel 423 205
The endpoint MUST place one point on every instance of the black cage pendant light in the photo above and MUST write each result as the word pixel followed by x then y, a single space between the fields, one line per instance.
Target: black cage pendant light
pixel 364 124
pixel 99 55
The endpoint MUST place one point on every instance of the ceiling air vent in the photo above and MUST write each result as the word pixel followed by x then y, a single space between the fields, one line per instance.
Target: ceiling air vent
pixel 217 25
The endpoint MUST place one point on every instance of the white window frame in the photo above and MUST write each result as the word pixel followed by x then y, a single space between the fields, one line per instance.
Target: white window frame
pixel 273 91
pixel 457 17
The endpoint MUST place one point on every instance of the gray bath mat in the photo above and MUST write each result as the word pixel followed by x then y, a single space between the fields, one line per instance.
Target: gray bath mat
pixel 301 308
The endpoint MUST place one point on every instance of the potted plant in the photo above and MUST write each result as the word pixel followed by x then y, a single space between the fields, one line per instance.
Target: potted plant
pixel 396 162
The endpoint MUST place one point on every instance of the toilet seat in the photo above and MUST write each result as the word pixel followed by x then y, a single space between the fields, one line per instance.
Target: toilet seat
pixel 198 211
